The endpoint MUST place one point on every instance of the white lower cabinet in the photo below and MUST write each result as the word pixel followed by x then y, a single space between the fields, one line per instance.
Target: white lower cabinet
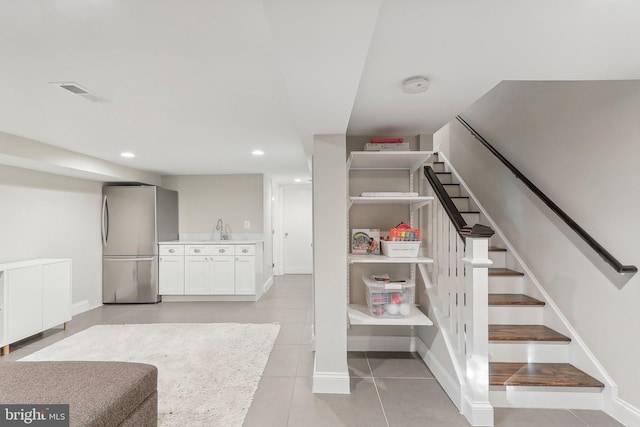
pixel 209 270
pixel 197 275
pixel 223 275
pixel 245 270
pixel 34 296
pixel 171 275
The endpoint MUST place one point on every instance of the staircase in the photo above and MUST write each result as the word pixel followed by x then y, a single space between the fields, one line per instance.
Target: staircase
pixel 529 361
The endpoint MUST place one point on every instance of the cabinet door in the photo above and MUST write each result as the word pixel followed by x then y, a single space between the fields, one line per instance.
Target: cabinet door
pixel 222 275
pixel 196 275
pixel 24 302
pixel 245 275
pixel 171 275
pixel 56 294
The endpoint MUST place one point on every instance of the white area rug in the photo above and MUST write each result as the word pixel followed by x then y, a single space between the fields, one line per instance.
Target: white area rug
pixel 207 373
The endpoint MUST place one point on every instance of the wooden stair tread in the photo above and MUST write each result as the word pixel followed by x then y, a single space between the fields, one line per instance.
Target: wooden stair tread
pixel 525 333
pixel 504 272
pixel 513 299
pixel 540 374
pixel 497 249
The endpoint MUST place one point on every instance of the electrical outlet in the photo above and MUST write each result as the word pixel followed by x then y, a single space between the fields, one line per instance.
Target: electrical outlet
pixel 247 224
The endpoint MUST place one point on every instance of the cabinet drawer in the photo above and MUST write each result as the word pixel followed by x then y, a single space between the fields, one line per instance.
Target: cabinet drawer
pixel 245 250
pixel 197 250
pixel 221 250
pixel 171 250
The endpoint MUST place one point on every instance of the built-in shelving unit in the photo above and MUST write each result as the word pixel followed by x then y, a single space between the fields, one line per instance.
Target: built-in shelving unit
pixel 383 259
pixel 359 315
pixel 410 161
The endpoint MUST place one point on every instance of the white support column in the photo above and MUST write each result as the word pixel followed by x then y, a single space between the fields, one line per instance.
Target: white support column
pixel 476 406
pixel 330 371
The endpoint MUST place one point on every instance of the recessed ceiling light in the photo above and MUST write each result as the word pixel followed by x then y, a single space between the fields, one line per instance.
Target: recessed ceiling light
pixel 297 180
pixel 257 152
pixel 127 154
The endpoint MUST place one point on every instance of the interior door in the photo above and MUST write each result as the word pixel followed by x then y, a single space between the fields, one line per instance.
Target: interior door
pixel 298 230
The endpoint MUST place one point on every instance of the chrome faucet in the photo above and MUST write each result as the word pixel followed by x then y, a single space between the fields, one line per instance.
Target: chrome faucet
pixel 220 227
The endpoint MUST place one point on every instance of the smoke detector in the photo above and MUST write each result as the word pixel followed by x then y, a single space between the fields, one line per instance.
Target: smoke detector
pixel 76 89
pixel 416 84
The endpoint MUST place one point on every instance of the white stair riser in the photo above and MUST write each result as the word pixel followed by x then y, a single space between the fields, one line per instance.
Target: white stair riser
pixel 461 204
pixel 499 258
pixel 528 351
pixel 471 218
pixel 543 397
pixel 445 178
pixel 452 190
pixel 506 284
pixel 516 315
pixel 438 167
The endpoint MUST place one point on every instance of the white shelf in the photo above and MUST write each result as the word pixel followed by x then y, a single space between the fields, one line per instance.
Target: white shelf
pixel 383 259
pixel 359 315
pixel 415 202
pixel 411 160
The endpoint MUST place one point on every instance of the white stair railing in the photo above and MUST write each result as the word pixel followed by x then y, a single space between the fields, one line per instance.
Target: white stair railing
pixel 459 297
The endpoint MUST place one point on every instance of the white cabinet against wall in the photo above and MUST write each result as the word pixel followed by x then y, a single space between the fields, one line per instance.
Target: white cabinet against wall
pixel 171 270
pixel 35 295
pixel 210 269
pixel 245 267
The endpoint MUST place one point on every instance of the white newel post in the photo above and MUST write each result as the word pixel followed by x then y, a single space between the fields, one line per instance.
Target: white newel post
pixel 476 406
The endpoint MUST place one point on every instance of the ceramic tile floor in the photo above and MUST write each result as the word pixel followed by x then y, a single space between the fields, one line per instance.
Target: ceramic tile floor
pixel 388 389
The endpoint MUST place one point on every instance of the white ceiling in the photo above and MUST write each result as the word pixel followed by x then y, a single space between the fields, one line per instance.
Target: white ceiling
pixel 193 86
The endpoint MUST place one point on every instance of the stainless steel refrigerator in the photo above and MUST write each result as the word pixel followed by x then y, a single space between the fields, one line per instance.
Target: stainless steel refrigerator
pixel 134 219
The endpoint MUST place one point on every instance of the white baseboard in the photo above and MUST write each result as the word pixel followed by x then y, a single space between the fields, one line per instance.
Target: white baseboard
pixel 546 397
pixel 380 343
pixel 624 412
pixel 450 385
pixel 331 382
pixel 479 414
pixel 80 307
pixel 267 285
pixel 192 298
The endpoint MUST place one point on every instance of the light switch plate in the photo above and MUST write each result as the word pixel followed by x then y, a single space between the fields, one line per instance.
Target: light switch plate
pixel 247 224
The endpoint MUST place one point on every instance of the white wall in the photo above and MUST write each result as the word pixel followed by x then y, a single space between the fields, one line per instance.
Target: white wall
pixel 50 216
pixel 203 199
pixel 578 142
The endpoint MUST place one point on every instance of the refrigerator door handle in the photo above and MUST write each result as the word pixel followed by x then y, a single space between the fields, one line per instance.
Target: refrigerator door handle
pixel 105 224
pixel 129 259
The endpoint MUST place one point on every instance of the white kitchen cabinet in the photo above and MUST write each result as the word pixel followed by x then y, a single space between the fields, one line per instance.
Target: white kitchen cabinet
pixel 210 269
pixel 197 275
pixel 223 275
pixel 35 295
pixel 245 266
pixel 171 275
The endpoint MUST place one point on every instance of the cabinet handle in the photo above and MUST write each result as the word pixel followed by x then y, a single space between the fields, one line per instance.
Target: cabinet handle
pixel 171 251
pixel 222 251
pixel 244 251
pixel 196 251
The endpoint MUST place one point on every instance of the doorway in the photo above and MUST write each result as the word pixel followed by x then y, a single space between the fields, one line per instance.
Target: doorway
pixel 297 228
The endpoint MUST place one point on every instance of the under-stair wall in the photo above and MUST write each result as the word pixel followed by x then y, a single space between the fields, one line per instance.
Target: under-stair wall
pixel 577 142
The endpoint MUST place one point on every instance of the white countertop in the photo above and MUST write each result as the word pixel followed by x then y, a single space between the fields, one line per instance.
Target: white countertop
pixel 213 242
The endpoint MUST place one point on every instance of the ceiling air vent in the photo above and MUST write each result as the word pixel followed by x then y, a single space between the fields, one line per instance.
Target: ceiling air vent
pixel 76 89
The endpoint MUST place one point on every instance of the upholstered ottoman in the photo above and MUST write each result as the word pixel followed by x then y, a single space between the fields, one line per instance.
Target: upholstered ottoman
pixel 98 393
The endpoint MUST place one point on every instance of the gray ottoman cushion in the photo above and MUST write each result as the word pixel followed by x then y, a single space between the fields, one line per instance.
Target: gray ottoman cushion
pixel 98 393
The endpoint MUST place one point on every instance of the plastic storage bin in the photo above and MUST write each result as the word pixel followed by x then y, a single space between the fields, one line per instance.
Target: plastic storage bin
pixel 389 300
pixel 400 249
